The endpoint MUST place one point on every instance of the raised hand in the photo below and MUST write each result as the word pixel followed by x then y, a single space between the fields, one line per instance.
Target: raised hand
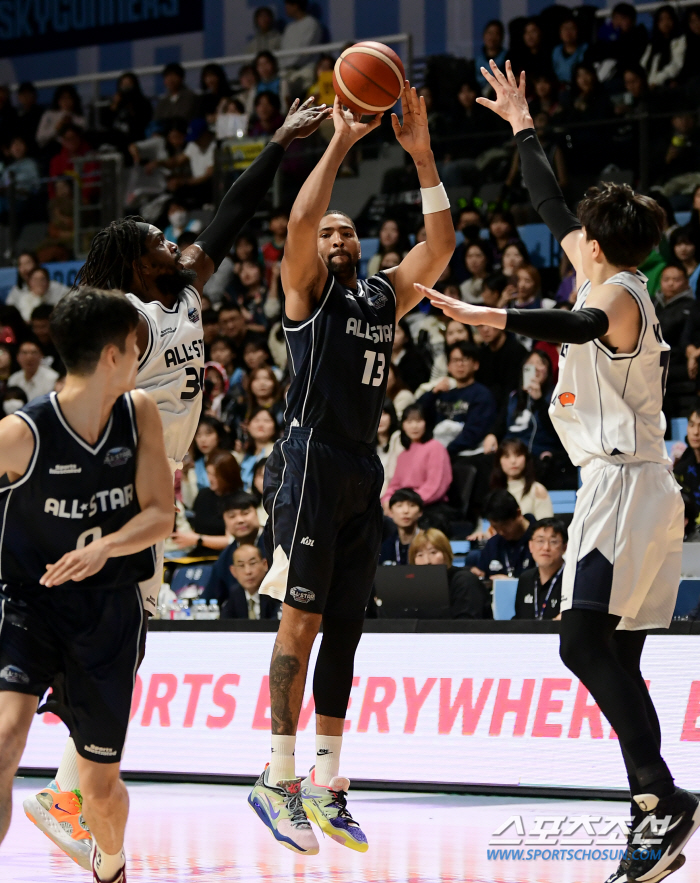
pixel 412 133
pixel 302 121
pixel 510 104
pixel 349 125
pixel 467 314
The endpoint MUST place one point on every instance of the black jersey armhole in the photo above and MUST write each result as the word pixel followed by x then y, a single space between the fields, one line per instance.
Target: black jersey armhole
pixel 8 486
pixel 292 325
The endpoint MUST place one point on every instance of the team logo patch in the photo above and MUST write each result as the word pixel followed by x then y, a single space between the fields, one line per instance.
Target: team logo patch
pixel 118 456
pixel 566 399
pixel 301 595
pixel 378 301
pixel 193 315
pixel 14 675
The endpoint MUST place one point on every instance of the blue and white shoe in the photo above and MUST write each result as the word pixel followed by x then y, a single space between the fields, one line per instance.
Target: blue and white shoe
pixel 280 808
pixel 327 806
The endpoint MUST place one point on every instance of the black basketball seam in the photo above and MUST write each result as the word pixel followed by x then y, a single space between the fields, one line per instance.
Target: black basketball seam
pixel 363 74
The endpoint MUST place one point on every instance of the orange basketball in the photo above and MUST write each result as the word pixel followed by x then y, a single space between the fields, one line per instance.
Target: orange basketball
pixel 369 77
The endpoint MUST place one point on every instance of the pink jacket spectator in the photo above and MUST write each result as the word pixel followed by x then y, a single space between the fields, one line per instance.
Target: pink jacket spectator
pixel 424 467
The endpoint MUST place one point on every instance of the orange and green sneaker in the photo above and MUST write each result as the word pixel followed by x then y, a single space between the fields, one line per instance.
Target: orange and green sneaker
pixel 59 815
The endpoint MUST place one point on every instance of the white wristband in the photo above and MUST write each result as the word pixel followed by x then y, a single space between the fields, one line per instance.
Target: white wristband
pixel 434 199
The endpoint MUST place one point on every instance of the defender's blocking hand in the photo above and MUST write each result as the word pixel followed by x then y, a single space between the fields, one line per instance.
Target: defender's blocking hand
pixel 510 104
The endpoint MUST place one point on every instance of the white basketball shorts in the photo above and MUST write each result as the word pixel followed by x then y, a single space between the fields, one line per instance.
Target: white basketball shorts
pixel 625 544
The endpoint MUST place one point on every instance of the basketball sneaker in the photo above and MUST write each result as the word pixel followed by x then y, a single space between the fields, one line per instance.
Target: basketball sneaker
pixel 281 809
pixel 327 806
pixel 58 814
pixel 620 875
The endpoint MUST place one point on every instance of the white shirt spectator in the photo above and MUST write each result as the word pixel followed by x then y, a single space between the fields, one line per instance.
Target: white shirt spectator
pixel 25 300
pixel 299 34
pixel 657 75
pixel 200 162
pixel 39 384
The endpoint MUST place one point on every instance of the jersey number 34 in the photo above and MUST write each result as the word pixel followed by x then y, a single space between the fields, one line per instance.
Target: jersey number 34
pixel 195 383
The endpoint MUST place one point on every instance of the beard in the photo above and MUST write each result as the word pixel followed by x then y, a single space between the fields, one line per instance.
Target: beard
pixel 342 269
pixel 173 283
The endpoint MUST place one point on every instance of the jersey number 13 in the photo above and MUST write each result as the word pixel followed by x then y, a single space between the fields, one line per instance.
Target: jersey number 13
pixel 369 373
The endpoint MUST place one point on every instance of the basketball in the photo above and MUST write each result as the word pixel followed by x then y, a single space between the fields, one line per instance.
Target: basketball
pixel 369 77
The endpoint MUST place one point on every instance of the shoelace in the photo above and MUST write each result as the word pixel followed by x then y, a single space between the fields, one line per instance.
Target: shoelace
pixel 341 803
pixel 295 807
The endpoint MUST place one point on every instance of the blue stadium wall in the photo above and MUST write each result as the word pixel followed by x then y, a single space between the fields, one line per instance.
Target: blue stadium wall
pixel 437 26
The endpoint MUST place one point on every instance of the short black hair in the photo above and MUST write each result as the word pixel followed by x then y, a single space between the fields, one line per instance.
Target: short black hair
pixel 625 9
pixel 626 225
pixel 501 506
pixel 87 320
pixel 174 67
pixel 495 22
pixel 333 211
pixel 556 524
pixel 415 408
pixel 467 349
pixel 42 270
pixel 240 500
pixel 41 311
pixel 229 308
pixel 496 282
pixel 302 4
pixel 272 97
pixel 26 86
pixel 406 495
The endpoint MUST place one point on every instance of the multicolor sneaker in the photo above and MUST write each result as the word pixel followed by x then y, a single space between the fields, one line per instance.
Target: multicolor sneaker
pixel 58 814
pixel 327 806
pixel 281 809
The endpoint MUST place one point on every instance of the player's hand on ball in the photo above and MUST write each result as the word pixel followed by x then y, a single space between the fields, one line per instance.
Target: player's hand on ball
pixel 412 132
pixel 349 125
pixel 303 120
pixel 77 565
pixel 510 104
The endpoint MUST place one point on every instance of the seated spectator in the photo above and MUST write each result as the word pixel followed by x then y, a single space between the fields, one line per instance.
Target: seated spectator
pixel 269 79
pixel 304 30
pixel 569 52
pixel 209 440
pixel 532 56
pixel 514 471
pixel 262 433
pixel 423 465
pixel 501 358
pixel 74 146
pixel 621 41
pixel 685 249
pixel 515 256
pixel 528 289
pixel 690 74
pixel 34 378
pixel 682 155
pixel 470 134
pixel 391 239
pixel 7 366
pixel 674 304
pixel 469 598
pixel 248 569
pixel 414 368
pixel 265 391
pixel 252 295
pixel 498 291
pixel 539 589
pixel 223 352
pixel 438 342
pixel 478 262
pixel 195 188
pixel 38 292
pixel 23 172
pixel 397 391
pixel 502 232
pixel 273 250
pixel 506 554
pixel 214 88
pixel 587 103
pixel 179 102
pixel 41 331
pixel 267 36
pixel 241 522
pixel 29 113
pixel 322 87
pixel 258 489
pixel 687 467
pixel 129 114
pixel 405 509
pixel 664 56
pixel 21 296
pixel 232 324
pixel 231 119
pixel 546 97
pixel 388 442
pixel 15 398
pixel 66 107
pixel 491 48
pixel 207 532
pixel 179 222
pixel 554 154
pixel 268 117
pixel 246 90
pixel 8 114
pixel 58 245
pixel 459 410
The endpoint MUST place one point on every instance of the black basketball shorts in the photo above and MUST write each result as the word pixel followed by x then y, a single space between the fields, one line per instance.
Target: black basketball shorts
pixel 324 530
pixel 85 644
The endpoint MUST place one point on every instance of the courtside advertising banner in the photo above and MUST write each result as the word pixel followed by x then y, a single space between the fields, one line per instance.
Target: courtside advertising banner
pixel 472 708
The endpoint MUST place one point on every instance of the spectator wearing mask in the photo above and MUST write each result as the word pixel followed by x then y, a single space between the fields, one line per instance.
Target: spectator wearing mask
pixel 241 522
pixel 500 362
pixel 179 222
pixel 664 56
pixel 15 398
pixel 514 471
pixel 128 114
pixel 469 598
pixel 21 296
pixel 302 31
pixel 538 595
pixel 207 532
pixel 492 48
pixel 267 36
pixel 478 263
pixel 262 433
pixel 405 510
pixel 34 378
pixel 423 465
pixel 209 440
pixel 569 52
pixel 66 107
pixel 507 553
pixel 179 102
pixel 460 410
pixel 248 568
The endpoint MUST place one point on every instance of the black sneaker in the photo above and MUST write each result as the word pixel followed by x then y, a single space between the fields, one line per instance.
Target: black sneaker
pixel 655 846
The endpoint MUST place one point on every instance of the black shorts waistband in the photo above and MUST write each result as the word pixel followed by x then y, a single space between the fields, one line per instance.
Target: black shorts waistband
pixel 330 438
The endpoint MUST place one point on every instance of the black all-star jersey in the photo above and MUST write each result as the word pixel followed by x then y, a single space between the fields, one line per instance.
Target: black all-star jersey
pixel 339 359
pixel 71 494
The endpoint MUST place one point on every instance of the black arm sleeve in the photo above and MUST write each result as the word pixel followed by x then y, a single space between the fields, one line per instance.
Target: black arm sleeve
pixel 240 203
pixel 559 326
pixel 545 194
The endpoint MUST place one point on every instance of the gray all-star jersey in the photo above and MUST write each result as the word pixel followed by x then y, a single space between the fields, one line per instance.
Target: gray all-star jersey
pixel 339 359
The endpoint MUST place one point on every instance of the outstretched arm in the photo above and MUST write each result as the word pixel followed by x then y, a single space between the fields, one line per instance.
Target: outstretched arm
pixel 303 272
pixel 426 261
pixel 245 195
pixel 538 176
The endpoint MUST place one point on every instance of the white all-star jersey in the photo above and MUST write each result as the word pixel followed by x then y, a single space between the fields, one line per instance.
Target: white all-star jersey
pixel 171 370
pixel 607 405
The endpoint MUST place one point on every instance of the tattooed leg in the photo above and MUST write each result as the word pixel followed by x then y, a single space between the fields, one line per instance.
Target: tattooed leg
pixel 290 662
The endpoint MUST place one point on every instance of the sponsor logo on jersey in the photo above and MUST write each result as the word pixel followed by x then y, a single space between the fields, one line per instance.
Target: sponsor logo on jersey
pixel 68 469
pixel 193 315
pixel 167 331
pixel 117 456
pixel 302 595
pixel 102 501
pixel 14 675
pixel 183 353
pixel 307 541
pixel 567 399
pixel 103 752
pixel 378 301
pixel 376 333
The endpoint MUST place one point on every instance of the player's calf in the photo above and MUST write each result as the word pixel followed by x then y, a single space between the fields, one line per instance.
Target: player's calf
pixel 16 713
pixel 105 807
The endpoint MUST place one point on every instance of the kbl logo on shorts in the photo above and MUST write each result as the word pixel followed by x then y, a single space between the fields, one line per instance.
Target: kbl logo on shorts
pixel 301 595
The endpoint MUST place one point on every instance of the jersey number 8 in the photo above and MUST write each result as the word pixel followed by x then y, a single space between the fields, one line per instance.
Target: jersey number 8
pixel 370 358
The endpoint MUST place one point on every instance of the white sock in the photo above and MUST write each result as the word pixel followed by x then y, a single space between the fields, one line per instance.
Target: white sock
pixel 67 775
pixel 282 762
pixel 327 758
pixel 107 866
